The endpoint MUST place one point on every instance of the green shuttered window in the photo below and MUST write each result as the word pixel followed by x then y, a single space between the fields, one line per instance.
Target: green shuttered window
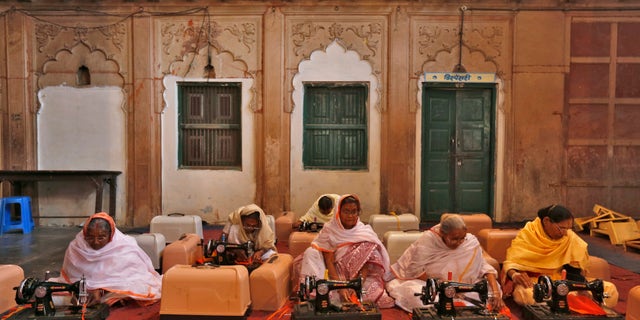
pixel 335 126
pixel 209 125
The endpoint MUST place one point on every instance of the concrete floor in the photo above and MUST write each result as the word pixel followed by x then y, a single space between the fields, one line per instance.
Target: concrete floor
pixel 36 252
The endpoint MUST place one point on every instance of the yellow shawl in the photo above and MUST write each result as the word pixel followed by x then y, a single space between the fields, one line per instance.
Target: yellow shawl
pixel 532 250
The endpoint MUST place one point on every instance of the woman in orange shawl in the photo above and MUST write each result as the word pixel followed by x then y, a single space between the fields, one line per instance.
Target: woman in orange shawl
pixel 547 246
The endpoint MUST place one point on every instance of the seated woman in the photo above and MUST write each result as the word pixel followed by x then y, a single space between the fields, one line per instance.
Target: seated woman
pixel 321 211
pixel 346 248
pixel 115 267
pixel 443 249
pixel 546 246
pixel 249 223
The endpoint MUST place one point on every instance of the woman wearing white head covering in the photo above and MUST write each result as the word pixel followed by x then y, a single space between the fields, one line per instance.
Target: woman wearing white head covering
pixel 249 223
pixel 446 250
pixel 347 248
pixel 114 266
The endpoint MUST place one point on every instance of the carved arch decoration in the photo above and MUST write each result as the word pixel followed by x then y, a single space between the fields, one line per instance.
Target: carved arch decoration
pixel 61 50
pixel 231 47
pixel 486 47
pixel 367 37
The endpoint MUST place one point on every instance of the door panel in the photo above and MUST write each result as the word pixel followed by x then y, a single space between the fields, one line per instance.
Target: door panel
pixel 456 152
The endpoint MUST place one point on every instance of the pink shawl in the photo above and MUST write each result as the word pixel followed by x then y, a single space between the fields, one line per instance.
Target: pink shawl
pixel 355 249
pixel 334 236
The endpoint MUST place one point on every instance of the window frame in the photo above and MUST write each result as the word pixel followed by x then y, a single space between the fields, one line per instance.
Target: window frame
pixel 214 127
pixel 337 92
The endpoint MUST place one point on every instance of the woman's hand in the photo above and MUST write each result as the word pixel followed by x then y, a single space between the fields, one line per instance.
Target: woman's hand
pixel 345 295
pixel 257 256
pixel 94 296
pixel 495 302
pixel 521 279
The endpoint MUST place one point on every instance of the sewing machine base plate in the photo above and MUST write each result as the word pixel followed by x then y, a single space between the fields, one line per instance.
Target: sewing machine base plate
pixel 542 312
pixel 306 310
pixel 462 313
pixel 97 312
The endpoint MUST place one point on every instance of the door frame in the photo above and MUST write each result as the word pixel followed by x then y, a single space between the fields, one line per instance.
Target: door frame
pixel 492 143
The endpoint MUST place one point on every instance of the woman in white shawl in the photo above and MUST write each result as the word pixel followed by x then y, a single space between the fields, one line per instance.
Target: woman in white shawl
pixel 115 267
pixel 445 248
pixel 346 248
pixel 250 223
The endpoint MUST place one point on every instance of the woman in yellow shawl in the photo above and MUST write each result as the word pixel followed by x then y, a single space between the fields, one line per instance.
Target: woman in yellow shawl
pixel 250 223
pixel 546 246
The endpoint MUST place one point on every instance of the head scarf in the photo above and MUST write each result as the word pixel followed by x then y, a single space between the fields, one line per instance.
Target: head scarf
pixel 265 239
pixel 100 215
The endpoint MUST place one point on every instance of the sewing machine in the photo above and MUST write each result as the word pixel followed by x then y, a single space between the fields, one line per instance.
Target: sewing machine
pixel 226 253
pixel 320 306
pixel 551 296
pixel 310 226
pixel 39 294
pixel 444 308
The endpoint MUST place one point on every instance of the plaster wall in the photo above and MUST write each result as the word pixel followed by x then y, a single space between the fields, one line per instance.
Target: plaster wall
pixel 537 115
pixel 80 129
pixel 335 64
pixel 211 194
pixel 498 152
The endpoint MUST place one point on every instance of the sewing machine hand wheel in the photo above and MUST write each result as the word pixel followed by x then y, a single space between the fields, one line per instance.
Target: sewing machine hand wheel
pixel 542 289
pixel 209 248
pixel 26 289
pixel 429 291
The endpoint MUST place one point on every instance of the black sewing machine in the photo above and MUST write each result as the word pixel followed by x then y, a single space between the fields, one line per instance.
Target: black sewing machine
pixel 444 308
pixel 310 226
pixel 39 294
pixel 320 306
pixel 226 253
pixel 551 296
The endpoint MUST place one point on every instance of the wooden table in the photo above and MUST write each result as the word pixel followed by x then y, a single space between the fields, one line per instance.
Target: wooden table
pixel 99 178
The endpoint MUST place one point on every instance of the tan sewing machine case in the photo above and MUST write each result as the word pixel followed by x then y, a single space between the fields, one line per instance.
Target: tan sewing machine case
pixel 10 276
pixel 271 283
pixel 205 292
pixel 187 250
pixel 284 226
pixel 299 241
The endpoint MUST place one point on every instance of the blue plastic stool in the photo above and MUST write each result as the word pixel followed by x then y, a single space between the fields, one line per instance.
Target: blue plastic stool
pixel 26 220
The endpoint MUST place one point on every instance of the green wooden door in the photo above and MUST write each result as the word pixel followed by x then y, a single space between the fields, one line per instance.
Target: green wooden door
pixel 457 153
